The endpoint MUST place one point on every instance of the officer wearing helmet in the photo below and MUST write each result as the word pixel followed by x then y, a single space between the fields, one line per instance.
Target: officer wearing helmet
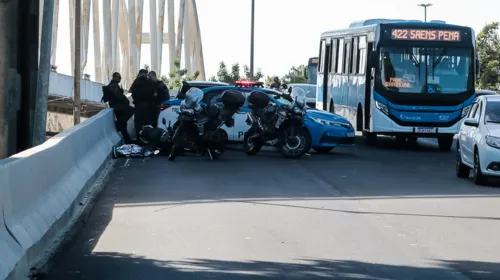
pixel 276 83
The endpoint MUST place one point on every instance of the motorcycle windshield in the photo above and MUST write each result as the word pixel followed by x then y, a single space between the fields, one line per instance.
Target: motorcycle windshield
pixel 299 96
pixel 193 98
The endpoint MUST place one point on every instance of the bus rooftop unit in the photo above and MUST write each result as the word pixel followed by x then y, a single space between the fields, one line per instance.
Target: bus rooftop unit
pixel 402 78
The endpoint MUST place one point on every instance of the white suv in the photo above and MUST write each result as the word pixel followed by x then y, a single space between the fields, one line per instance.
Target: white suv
pixel 478 145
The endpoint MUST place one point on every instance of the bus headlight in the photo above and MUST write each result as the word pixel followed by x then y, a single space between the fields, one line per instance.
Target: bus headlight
pixel 382 107
pixel 466 110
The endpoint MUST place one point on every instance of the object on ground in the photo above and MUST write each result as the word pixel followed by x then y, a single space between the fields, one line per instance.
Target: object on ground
pixel 134 151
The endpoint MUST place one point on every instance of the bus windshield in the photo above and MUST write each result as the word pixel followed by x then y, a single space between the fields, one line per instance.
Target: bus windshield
pixel 312 72
pixel 426 70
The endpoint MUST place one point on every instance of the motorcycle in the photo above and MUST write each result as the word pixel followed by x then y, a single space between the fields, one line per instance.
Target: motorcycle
pixel 280 126
pixel 198 127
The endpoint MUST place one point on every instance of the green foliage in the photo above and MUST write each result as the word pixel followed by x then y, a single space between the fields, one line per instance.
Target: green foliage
pixel 296 75
pixel 230 77
pixel 178 75
pixel 488 49
pixel 256 76
pixel 269 80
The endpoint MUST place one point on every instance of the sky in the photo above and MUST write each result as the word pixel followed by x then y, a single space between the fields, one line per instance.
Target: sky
pixel 287 32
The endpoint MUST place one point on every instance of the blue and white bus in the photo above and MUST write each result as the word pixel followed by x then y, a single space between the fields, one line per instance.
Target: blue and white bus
pixel 400 78
pixel 312 70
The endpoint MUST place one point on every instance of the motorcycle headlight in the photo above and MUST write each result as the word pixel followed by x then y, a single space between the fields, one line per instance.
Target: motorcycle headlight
pixel 382 107
pixel 466 110
pixel 297 110
pixel 330 123
pixel 493 141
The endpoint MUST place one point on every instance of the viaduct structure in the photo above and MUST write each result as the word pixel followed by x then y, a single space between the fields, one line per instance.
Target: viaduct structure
pixel 28 48
pixel 119 47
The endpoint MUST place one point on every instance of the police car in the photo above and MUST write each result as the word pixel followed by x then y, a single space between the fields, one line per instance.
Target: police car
pixel 327 130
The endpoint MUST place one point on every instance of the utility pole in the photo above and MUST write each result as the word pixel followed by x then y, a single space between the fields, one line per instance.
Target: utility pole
pixel 252 39
pixel 78 60
pixel 42 95
pixel 425 10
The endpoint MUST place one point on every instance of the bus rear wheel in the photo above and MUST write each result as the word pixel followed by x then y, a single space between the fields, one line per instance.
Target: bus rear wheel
pixel 445 142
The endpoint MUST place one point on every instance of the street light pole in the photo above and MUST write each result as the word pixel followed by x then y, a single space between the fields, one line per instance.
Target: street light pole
pixel 78 59
pixel 252 39
pixel 425 10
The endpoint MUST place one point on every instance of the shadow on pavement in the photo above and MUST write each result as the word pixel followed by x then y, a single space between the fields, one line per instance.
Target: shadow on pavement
pixel 113 266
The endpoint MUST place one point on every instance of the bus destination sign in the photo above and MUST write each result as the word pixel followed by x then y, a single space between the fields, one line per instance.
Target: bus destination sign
pixel 314 60
pixel 426 35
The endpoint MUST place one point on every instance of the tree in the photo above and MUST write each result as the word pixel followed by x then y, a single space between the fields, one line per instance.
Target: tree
pixel 296 75
pixel 256 76
pixel 178 75
pixel 223 75
pixel 488 49
pixel 269 80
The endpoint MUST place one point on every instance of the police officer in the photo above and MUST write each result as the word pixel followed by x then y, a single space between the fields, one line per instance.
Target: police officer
pixel 113 94
pixel 143 93
pixel 162 92
pixel 276 83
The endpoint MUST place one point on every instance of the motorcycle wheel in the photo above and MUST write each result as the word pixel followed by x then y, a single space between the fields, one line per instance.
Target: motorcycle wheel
pixel 177 146
pixel 295 146
pixel 250 147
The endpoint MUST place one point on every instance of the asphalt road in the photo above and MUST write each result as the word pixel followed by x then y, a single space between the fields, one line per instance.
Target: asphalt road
pixel 356 213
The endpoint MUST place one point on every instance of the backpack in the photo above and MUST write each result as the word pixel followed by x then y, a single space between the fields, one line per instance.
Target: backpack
pixel 106 94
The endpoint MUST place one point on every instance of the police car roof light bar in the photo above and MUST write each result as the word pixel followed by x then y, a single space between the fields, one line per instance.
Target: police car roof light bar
pixel 246 83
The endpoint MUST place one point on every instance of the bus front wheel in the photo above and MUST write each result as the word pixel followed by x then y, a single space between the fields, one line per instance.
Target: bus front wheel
pixel 445 142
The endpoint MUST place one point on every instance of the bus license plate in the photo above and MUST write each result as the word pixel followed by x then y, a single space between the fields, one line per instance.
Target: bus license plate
pixel 425 129
pixel 350 134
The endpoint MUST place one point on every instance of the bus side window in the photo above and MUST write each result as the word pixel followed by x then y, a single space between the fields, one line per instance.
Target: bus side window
pixel 340 58
pixel 354 56
pixel 347 57
pixel 362 55
pixel 321 64
pixel 335 55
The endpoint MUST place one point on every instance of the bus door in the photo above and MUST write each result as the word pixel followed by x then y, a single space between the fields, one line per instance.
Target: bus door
pixel 368 87
pixel 323 67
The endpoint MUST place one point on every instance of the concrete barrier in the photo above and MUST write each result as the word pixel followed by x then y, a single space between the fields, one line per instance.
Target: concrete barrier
pixel 47 184
pixel 10 250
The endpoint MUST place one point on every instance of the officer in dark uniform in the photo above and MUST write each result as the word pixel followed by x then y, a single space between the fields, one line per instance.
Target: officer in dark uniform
pixel 276 83
pixel 113 94
pixel 162 92
pixel 143 93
